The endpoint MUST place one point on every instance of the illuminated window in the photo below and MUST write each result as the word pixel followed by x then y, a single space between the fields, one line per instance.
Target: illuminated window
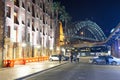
pixel 16 17
pixel 81 33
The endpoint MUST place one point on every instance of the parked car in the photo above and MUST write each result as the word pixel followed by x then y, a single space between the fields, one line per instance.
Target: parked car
pixel 56 58
pixel 65 58
pixel 102 60
pixel 98 60
pixel 113 60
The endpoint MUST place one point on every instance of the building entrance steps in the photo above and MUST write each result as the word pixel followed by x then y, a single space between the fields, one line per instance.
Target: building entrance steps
pixel 19 71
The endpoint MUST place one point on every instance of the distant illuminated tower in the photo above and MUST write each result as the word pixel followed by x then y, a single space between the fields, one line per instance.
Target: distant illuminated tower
pixel 61 34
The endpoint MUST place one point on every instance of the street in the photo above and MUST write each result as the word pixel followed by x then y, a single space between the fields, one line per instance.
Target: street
pixel 78 71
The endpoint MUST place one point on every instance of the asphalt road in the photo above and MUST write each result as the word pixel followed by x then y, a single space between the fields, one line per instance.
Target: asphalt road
pixel 78 71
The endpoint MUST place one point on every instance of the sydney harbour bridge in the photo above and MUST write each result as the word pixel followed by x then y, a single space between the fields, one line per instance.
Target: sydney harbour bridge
pixel 86 34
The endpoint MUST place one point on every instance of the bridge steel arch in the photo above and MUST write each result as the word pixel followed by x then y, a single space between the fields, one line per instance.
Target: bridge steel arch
pixel 95 31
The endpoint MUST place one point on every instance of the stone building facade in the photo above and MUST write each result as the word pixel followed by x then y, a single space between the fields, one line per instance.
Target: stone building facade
pixel 26 29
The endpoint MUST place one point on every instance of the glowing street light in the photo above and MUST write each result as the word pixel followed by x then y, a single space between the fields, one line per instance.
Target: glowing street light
pixel 81 33
pixel 23 44
pixel 38 46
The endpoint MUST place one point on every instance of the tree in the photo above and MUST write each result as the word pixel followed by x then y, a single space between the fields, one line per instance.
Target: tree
pixel 65 18
pixel 60 15
pixel 56 8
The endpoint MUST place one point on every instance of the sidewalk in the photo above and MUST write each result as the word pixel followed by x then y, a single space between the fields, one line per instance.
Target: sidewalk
pixel 23 70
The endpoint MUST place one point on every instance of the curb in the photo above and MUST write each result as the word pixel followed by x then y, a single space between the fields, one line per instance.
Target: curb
pixel 40 71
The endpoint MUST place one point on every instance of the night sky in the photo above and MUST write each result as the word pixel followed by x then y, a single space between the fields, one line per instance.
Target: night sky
pixel 105 13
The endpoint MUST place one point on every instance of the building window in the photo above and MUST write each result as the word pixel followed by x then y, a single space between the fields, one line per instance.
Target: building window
pixel 33 11
pixel 40 41
pixel 43 19
pixel 37 15
pixel 15 27
pixel 28 9
pixel 23 4
pixel 23 34
pixel 37 29
pixel 23 22
pixel 33 1
pixel 28 23
pixel 8 33
pixel 33 29
pixel 50 25
pixel 8 11
pixel 16 2
pixel 16 17
pixel 40 28
pixel 40 17
pixel 28 37
pixel 43 30
pixel 41 5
